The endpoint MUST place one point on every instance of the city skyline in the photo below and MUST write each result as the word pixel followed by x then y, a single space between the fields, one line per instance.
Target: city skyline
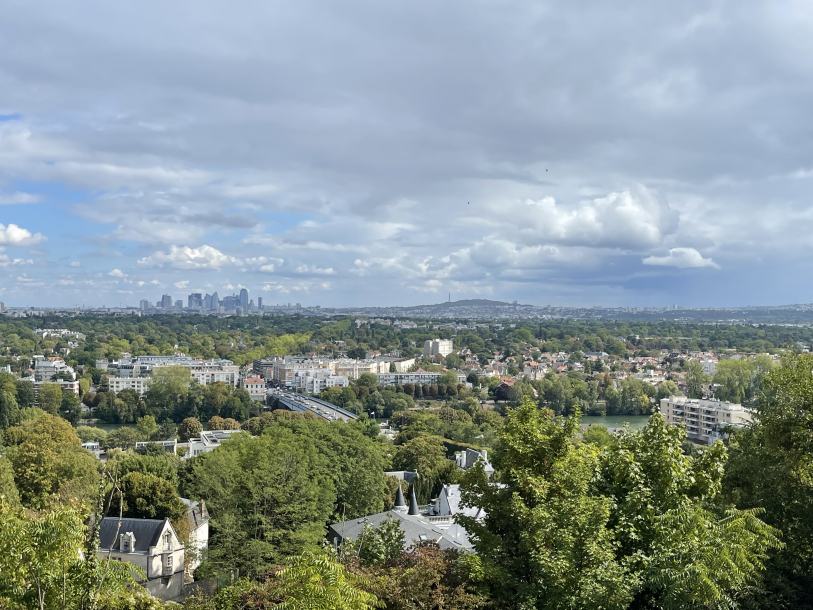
pixel 512 153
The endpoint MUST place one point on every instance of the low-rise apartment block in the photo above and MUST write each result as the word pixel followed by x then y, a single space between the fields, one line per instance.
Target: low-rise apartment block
pixel 418 377
pixel 313 381
pixel 704 419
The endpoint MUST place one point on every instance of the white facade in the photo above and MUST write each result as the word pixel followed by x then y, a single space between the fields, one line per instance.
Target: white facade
pixel 117 384
pixel 709 367
pixel 284 370
pixel 314 381
pixel 703 419
pixel 438 347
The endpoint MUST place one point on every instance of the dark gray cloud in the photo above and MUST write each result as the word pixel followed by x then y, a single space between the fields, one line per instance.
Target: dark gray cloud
pixel 575 152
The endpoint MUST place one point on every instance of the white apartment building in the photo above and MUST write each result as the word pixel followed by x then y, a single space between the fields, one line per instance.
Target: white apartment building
pixel 703 419
pixel 117 384
pixel 352 369
pixel 283 370
pixel 212 371
pixel 709 366
pixel 313 381
pixel 438 347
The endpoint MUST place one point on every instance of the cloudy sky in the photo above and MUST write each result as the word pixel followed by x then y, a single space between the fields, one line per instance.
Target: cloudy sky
pixel 365 152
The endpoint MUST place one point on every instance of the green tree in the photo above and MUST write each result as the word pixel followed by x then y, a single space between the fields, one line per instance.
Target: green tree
pixel 666 389
pixel 50 397
pixel 597 434
pixel 147 496
pixel 25 393
pixel 695 378
pixel 9 410
pixel 8 490
pixel 367 380
pixel 168 389
pixel 269 497
pixel 147 427
pixel 163 465
pixel 189 428
pixel 54 564
pixel 123 438
pixel 685 545
pixel 70 408
pixel 545 541
pixel 770 468
pixel 50 466
pixel 89 434
pixel 316 579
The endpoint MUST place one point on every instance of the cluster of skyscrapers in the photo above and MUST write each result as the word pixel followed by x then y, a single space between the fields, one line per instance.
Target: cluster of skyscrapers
pixel 236 303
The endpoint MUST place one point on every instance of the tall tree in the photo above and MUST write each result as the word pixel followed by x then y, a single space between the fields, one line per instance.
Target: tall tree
pixel 770 468
pixel 269 497
pixel 545 540
pixel 50 397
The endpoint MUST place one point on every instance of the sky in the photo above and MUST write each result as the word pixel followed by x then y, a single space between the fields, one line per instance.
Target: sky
pixel 644 153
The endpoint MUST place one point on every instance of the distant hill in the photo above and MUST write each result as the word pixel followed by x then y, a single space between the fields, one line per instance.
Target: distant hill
pixel 473 303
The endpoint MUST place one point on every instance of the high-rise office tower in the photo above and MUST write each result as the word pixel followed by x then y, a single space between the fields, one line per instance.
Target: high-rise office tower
pixel 244 298
pixel 166 301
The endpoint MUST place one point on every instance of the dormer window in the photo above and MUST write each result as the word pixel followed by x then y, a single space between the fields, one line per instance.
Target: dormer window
pixel 167 542
pixel 127 542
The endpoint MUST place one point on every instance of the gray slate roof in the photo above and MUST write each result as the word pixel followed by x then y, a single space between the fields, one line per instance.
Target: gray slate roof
pixel 147 532
pixel 415 530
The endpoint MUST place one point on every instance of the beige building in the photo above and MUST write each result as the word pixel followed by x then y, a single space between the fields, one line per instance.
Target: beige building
pixel 704 419
pixel 438 347
pixel 255 387
pixel 285 369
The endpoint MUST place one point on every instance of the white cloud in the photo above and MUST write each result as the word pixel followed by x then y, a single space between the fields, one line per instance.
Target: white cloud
pixel 683 258
pixel 19 197
pixel 6 260
pixel 65 282
pixel 205 257
pixel 630 219
pixel 12 235
pixel 182 284
pixel 76 264
pixel 117 273
pixel 314 270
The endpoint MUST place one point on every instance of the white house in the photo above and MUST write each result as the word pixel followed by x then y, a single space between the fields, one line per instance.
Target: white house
pixel 150 544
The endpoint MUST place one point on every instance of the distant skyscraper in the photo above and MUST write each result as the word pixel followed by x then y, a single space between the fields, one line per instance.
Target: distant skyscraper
pixel 145 304
pixel 244 298
pixel 166 301
pixel 195 300
pixel 259 303
pixel 179 304
pixel 215 301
